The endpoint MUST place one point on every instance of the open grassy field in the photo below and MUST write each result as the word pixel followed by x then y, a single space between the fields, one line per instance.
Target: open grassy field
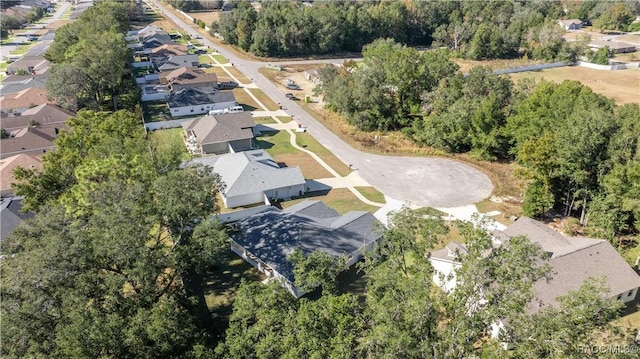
pixel 623 86
pixel 208 17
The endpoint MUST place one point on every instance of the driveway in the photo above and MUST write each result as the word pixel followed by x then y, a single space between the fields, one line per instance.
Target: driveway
pixel 420 181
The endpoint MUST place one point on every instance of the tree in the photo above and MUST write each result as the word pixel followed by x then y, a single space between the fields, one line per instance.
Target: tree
pixel 10 22
pixel 601 56
pixel 316 269
pixel 617 16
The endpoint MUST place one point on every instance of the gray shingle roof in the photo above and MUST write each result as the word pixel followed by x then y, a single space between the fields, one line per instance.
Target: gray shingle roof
pixel 194 97
pixel 30 82
pixel 273 235
pixel 45 114
pixel 251 172
pixel 178 61
pixel 221 128
pixel 10 215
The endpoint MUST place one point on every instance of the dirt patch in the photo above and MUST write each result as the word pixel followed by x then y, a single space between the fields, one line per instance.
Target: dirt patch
pixel 309 167
pixel 208 17
pixel 622 85
pixel 498 64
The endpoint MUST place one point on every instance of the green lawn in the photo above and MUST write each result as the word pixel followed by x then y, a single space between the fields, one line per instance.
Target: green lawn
pixel 340 199
pixel 204 59
pixel 264 120
pixel 276 143
pixel 155 111
pixel 22 49
pixel 167 139
pixel 3 65
pixel 371 194
pixel 306 141
pixel 243 98
pixel 221 59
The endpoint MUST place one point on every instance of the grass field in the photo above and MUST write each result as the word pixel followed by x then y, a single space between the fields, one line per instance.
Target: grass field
pixel 170 138
pixel 622 85
pixel 156 111
pixel 208 17
pixel 285 119
pixel 22 49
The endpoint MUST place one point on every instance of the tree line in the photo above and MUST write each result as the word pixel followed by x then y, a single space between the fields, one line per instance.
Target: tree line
pixel 91 63
pixel 473 29
pixel 573 144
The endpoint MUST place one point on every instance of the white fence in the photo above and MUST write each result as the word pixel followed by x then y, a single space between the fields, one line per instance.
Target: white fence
pixel 531 68
pixel 150 126
pixel 238 215
pixel 601 67
pixel 154 96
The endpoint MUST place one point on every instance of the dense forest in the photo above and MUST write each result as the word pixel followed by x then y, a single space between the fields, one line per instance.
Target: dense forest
pixel 579 151
pixel 473 29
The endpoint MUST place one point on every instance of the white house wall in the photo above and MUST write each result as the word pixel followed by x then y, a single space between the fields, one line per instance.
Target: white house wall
pixel 200 109
pixel 245 199
pixel 445 268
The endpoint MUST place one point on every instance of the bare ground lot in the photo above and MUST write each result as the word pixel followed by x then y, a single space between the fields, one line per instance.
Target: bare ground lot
pixel 623 86
pixel 208 17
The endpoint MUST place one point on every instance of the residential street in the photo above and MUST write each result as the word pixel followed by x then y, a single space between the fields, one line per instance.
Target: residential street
pixel 418 181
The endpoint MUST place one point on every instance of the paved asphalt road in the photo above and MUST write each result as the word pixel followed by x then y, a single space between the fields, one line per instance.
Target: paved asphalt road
pixel 7 49
pixel 420 181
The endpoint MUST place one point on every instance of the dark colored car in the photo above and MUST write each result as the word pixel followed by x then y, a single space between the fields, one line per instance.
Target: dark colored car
pixel 290 96
pixel 227 85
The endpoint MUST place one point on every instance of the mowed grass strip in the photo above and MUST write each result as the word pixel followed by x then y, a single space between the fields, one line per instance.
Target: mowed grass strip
pixel 340 199
pixel 262 97
pixel 221 59
pixel 243 98
pixel 264 120
pixel 242 78
pixel 284 119
pixel 371 194
pixel 306 141
pixel 276 143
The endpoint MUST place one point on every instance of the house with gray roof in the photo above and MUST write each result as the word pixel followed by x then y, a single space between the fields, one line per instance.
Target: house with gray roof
pixel 174 62
pixel 254 177
pixel 266 239
pixel 572 259
pixel 190 101
pixel 44 115
pixel 29 65
pixel 23 85
pixel 570 24
pixel 219 134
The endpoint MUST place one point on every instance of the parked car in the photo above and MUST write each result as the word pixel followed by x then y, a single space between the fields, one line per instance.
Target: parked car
pixel 227 85
pixel 32 38
pixel 291 86
pixel 291 96
pixel 200 52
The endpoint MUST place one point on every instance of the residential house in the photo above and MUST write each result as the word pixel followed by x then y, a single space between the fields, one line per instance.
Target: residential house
pixel 187 77
pixel 174 62
pixel 220 133
pixel 570 24
pixel 159 55
pixel 43 115
pixel 254 177
pixel 617 47
pixel 11 215
pixel 28 65
pixel 23 85
pixel 312 75
pixel 21 79
pixel 193 101
pixel 23 100
pixel 266 239
pixel 156 40
pixel 35 141
pixel 573 260
pixel 7 166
